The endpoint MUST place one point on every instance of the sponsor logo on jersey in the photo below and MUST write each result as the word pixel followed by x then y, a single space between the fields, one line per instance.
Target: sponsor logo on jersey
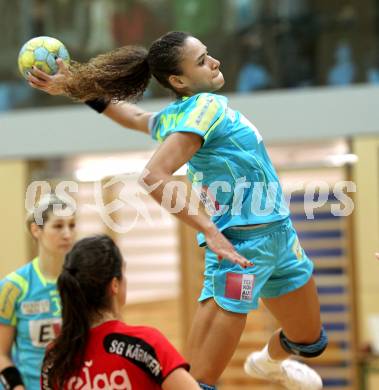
pixel 239 286
pixel 208 200
pixel 204 114
pixel 137 351
pixel 8 297
pixel 116 380
pixel 43 331
pixel 297 249
pixel 35 307
pixel 231 114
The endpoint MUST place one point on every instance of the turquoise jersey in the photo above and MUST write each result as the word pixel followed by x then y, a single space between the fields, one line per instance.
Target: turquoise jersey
pixel 31 304
pixel 231 171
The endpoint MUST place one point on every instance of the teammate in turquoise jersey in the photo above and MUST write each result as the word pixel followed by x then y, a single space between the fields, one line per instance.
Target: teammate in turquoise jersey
pixel 252 250
pixel 30 310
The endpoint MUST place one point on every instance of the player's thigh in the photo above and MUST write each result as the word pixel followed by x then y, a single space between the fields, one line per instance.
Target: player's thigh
pixel 213 339
pixel 298 313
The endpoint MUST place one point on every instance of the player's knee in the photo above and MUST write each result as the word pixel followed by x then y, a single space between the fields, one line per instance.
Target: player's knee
pixel 306 350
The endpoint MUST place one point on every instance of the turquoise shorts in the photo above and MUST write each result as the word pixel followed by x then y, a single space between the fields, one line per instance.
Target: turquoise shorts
pixel 280 266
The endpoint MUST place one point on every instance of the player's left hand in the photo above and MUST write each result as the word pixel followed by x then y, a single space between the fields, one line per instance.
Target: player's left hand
pixel 51 84
pixel 223 248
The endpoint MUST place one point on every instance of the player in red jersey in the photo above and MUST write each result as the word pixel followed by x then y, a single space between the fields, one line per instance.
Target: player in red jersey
pixel 96 349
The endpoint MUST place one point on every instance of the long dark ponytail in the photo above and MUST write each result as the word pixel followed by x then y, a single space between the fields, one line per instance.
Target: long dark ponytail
pixel 124 73
pixel 88 269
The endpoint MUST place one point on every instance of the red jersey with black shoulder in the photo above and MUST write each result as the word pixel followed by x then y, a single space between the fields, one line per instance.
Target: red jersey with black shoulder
pixel 119 356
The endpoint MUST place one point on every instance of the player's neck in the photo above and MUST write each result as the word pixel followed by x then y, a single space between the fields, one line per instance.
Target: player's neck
pixel 50 265
pixel 104 317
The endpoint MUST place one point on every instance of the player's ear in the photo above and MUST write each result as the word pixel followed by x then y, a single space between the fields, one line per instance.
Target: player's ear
pixel 114 286
pixel 35 230
pixel 177 82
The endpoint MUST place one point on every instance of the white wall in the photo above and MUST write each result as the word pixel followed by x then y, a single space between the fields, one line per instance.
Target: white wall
pixel 314 113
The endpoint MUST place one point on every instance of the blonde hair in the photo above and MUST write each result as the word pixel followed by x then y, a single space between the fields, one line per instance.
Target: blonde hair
pixel 47 204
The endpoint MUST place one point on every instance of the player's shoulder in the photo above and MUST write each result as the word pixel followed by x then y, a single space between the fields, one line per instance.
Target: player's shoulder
pixel 207 99
pixel 143 330
pixel 20 277
pixel 10 293
pixel 204 100
pixel 13 288
pixel 27 270
pixel 147 333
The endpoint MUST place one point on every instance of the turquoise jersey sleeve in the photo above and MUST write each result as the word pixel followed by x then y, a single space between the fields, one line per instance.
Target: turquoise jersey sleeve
pixel 10 292
pixel 199 114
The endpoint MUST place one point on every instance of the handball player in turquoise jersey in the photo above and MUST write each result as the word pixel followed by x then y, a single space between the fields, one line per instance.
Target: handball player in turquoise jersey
pixel 252 250
pixel 30 309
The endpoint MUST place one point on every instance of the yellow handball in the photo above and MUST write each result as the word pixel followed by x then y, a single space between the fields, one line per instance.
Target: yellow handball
pixel 42 53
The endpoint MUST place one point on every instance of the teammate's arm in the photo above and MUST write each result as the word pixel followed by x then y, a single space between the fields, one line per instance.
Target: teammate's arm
pixel 180 379
pixel 7 335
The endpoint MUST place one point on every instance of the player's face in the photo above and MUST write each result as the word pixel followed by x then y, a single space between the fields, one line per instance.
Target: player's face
pixel 57 235
pixel 201 72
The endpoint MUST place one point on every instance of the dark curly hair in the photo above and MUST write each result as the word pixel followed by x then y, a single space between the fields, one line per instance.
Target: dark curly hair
pixel 124 73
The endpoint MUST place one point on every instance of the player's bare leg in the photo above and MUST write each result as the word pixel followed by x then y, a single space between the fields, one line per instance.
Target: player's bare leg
pixel 299 316
pixel 213 339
